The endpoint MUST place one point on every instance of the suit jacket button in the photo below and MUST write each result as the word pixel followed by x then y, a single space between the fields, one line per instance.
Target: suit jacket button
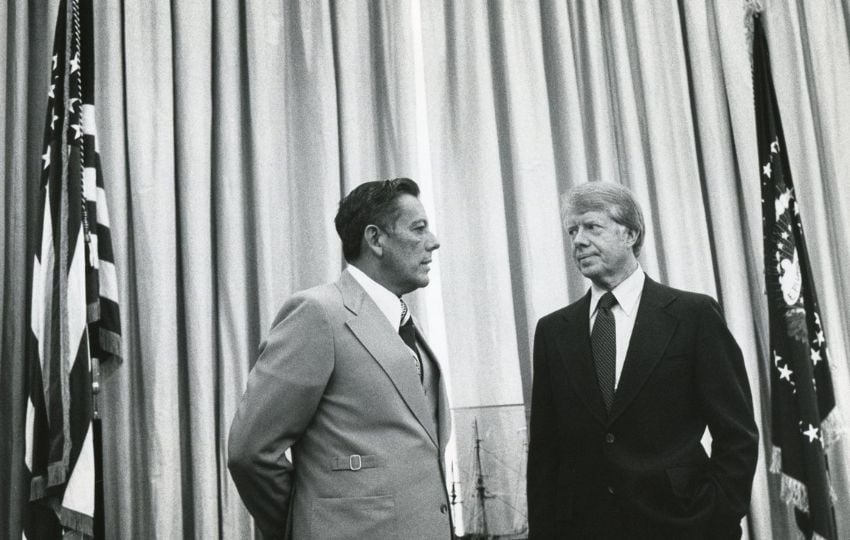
pixel 609 438
pixel 610 490
pixel 444 508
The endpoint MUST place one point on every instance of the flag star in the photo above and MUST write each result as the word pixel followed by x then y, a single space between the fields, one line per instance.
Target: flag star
pixel 811 433
pixel 785 373
pixel 816 357
pixel 55 60
pixel 46 158
pixel 75 63
pixel 774 147
pixel 776 358
pixel 820 339
pixel 79 130
pixel 766 169
pixel 53 119
pixel 72 103
pixel 50 93
pixel 784 235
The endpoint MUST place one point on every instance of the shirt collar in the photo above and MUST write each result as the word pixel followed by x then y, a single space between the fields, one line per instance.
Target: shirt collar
pixel 386 300
pixel 627 292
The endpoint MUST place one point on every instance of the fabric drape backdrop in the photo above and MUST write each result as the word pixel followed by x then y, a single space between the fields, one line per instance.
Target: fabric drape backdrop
pixel 229 131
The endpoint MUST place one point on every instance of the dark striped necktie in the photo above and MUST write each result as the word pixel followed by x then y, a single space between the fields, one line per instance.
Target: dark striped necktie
pixel 407 331
pixel 603 339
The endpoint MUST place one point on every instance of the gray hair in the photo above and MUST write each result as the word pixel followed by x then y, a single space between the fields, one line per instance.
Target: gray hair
pixel 614 199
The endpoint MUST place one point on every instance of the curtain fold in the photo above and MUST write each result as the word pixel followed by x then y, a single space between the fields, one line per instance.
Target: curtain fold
pixel 229 132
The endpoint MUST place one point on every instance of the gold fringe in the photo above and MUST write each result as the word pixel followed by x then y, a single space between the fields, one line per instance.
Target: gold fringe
pixel 776 460
pixel 832 428
pixel 81 524
pixel 794 492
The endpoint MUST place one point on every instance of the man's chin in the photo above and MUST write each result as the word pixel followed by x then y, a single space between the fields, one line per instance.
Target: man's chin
pixel 418 283
pixel 588 268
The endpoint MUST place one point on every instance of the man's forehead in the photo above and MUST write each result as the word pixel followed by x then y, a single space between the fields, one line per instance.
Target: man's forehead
pixel 590 215
pixel 409 208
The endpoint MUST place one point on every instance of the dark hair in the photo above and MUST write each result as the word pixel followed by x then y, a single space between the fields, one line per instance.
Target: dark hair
pixel 371 203
pixel 616 200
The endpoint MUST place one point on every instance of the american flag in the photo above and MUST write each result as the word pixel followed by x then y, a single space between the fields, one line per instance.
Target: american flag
pixel 805 420
pixel 74 318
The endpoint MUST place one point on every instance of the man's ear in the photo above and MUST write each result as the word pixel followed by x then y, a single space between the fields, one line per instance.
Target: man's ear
pixel 373 240
pixel 630 236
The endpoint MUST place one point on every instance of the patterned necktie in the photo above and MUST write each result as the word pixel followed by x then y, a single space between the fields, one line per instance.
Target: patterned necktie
pixel 603 339
pixel 407 331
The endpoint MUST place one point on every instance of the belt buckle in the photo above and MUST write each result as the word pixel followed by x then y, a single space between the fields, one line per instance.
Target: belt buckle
pixel 355 462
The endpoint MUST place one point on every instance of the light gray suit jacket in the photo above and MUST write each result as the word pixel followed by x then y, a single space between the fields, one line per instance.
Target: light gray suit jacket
pixel 335 383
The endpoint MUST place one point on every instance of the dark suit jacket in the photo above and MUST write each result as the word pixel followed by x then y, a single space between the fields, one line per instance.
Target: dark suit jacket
pixel 641 471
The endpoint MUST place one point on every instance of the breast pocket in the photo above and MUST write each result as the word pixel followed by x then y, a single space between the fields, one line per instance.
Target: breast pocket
pixel 674 367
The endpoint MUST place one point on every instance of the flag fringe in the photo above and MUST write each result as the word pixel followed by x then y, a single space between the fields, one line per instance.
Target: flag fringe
pixel 832 428
pixel 76 521
pixel 776 460
pixel 794 492
pixel 56 475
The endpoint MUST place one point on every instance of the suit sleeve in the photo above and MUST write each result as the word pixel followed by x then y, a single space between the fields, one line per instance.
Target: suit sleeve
pixel 283 392
pixel 542 447
pixel 727 403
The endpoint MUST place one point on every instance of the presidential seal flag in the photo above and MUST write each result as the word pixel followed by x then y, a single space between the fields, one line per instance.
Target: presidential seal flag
pixel 804 419
pixel 73 311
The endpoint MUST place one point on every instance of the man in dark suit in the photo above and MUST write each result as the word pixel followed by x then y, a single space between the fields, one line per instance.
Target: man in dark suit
pixel 626 380
pixel 347 383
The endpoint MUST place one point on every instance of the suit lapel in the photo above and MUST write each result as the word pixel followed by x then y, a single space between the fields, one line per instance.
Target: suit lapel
pixel 443 419
pixel 374 332
pixel 574 346
pixel 654 327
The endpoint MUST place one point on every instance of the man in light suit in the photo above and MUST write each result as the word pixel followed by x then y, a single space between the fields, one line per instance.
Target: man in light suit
pixel 362 409
pixel 626 380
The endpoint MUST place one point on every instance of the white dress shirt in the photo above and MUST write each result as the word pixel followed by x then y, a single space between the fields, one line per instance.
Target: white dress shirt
pixel 628 295
pixel 387 301
pixel 390 306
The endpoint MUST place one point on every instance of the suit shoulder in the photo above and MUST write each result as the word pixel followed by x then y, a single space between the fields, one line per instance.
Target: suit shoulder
pixel 315 301
pixel 559 314
pixel 687 300
pixel 326 293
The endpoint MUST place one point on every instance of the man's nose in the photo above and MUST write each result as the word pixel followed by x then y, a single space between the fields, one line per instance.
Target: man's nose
pixel 579 238
pixel 433 244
